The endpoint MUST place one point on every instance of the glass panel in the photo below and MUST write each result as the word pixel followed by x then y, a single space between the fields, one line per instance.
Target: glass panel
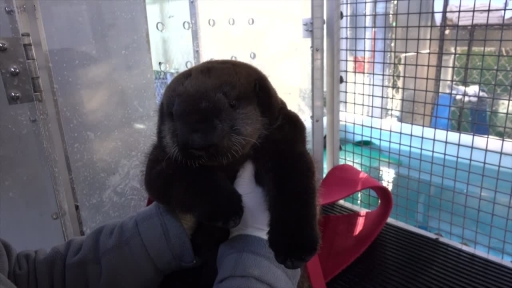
pixel 101 66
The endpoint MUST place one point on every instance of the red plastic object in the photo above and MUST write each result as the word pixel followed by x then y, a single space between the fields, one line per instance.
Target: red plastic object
pixel 359 64
pixel 346 236
pixel 364 64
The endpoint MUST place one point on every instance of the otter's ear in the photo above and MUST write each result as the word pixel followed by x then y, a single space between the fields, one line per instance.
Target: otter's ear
pixel 269 103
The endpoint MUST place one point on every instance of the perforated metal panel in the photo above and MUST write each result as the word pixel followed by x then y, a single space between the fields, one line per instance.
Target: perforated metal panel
pixel 267 34
pixel 426 109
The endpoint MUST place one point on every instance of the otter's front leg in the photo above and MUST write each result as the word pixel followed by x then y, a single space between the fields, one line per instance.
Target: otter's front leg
pixel 212 198
pixel 284 168
pixel 202 192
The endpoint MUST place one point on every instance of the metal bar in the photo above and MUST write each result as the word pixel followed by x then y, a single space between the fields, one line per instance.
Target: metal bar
pixel 195 31
pixel 466 68
pixel 468 55
pixel 388 59
pixel 392 43
pixel 440 52
pixel 317 73
pixel 343 55
pixel 30 21
pixel 333 82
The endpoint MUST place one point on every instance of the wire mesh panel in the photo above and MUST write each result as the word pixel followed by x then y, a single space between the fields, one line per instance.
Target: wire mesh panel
pixel 426 108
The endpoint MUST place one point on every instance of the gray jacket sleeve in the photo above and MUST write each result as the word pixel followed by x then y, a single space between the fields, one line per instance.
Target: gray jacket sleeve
pixel 135 252
pixel 247 261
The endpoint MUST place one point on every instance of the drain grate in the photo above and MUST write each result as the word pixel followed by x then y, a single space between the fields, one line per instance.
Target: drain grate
pixel 402 258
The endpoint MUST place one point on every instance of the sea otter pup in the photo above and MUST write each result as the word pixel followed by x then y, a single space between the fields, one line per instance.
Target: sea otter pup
pixel 212 118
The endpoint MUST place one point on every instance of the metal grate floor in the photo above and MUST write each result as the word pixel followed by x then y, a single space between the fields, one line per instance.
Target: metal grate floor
pixel 402 258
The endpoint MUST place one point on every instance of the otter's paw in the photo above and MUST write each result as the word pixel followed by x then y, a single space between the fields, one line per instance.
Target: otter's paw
pixel 293 246
pixel 225 212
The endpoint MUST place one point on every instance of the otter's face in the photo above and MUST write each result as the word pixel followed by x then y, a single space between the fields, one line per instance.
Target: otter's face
pixel 207 120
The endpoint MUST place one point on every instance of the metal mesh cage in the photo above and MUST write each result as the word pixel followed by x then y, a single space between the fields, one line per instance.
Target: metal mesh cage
pixel 426 108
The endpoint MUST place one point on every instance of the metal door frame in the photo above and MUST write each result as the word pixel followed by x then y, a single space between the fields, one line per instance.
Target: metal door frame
pixel 317 85
pixel 334 79
pixel 29 20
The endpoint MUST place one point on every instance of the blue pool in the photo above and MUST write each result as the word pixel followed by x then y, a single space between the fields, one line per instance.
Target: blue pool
pixel 469 204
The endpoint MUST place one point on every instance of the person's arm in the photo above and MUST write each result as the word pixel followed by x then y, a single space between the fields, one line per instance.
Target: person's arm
pixel 134 252
pixel 247 261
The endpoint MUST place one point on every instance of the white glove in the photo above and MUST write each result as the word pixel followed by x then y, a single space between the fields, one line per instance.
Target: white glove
pixel 256 217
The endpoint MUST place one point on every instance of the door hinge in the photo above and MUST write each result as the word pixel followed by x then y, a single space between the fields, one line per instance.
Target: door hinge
pixel 19 70
pixel 307 27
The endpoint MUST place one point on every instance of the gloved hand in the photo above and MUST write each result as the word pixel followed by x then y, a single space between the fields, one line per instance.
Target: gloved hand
pixel 255 219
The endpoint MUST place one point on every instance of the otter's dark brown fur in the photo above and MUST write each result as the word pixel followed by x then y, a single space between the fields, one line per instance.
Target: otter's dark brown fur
pixel 212 118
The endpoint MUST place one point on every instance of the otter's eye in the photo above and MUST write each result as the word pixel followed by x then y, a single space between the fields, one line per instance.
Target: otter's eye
pixel 232 104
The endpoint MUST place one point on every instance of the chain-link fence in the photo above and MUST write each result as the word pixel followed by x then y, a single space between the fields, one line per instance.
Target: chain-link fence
pixel 492 70
pixel 486 65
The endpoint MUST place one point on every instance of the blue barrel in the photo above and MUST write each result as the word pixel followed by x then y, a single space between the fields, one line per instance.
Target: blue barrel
pixel 479 117
pixel 441 113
